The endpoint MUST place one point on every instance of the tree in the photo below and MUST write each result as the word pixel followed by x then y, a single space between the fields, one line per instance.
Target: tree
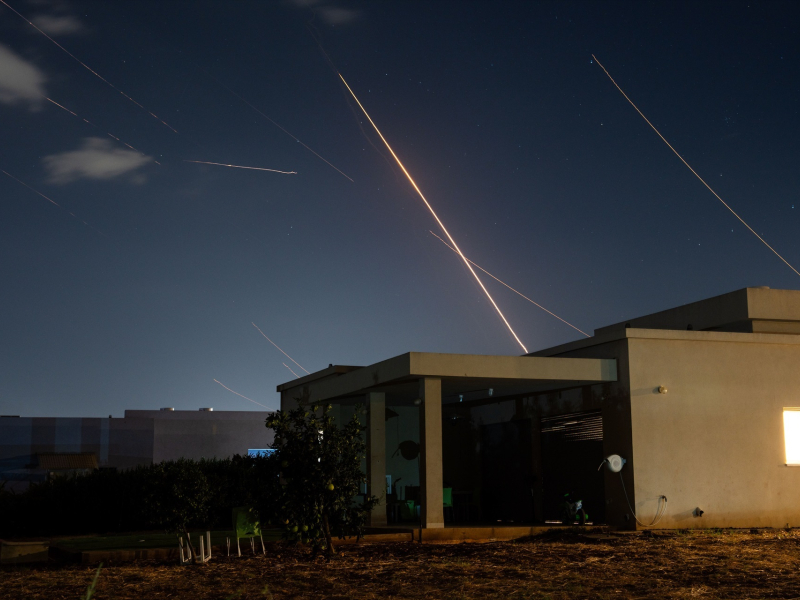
pixel 320 475
pixel 178 496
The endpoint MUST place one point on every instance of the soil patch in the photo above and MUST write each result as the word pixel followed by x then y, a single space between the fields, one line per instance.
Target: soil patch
pixel 568 565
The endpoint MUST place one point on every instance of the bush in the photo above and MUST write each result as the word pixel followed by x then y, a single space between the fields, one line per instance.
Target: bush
pixel 138 499
pixel 320 470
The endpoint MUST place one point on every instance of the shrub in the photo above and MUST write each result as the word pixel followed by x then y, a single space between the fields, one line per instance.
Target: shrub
pixel 320 475
pixel 110 501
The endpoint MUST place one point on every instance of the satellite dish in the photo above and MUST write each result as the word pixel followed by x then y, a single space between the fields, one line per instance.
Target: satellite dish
pixel 409 449
pixel 615 463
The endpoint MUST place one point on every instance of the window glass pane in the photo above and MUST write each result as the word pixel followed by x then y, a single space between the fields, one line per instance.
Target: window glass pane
pixel 791 433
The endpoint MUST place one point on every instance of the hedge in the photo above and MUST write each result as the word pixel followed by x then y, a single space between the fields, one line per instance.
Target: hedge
pixel 110 501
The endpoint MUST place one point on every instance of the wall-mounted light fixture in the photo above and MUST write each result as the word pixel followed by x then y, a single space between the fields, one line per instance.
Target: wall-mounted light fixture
pixel 662 389
pixel 417 401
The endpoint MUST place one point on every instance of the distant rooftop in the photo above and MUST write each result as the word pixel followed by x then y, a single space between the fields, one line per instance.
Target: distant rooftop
pixel 749 310
pixel 204 414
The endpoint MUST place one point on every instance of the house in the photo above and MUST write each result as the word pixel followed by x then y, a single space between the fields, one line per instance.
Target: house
pixel 701 401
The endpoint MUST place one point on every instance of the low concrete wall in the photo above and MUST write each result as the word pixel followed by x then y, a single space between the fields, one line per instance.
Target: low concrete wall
pixel 17 553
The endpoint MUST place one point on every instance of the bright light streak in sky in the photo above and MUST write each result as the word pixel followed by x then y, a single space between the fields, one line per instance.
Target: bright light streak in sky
pixel 435 216
pixel 35 191
pixel 511 288
pixel 85 120
pixel 290 369
pixel 279 348
pixel 238 394
pixel 290 134
pixel 85 66
pixel 763 241
pixel 202 162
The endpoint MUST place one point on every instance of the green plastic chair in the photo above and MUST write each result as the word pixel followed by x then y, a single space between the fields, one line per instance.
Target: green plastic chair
pixel 246 525
pixel 447 502
pixel 408 510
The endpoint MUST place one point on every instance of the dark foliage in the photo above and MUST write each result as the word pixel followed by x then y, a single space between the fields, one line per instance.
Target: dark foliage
pixel 165 496
pixel 320 477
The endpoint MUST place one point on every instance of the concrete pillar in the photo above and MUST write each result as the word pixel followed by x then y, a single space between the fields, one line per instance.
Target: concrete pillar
pixel 376 456
pixel 430 457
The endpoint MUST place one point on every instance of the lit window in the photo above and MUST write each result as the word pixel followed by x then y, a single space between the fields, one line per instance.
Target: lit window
pixel 791 434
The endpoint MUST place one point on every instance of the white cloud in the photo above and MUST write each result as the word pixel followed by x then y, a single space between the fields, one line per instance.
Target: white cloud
pixel 58 25
pixel 330 12
pixel 338 16
pixel 96 159
pixel 21 82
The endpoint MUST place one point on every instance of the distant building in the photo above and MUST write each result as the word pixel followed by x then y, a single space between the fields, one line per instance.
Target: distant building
pixel 702 401
pixel 33 448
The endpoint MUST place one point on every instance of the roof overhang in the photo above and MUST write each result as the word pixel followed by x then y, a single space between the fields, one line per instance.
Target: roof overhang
pixel 460 373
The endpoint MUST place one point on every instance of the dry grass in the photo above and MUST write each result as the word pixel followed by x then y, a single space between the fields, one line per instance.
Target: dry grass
pixel 726 564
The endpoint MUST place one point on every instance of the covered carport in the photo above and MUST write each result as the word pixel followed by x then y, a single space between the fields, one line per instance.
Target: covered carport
pixel 429 381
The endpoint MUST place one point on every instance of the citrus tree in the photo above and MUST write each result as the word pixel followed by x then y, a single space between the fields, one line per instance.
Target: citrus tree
pixel 320 477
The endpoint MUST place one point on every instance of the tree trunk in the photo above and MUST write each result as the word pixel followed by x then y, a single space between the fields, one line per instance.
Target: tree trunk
pixel 326 528
pixel 192 553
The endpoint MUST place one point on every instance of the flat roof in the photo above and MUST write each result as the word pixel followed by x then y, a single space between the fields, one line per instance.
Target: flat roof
pixel 460 373
pixel 726 312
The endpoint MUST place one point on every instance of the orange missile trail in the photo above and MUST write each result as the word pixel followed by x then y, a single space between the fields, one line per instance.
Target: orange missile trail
pixel 290 369
pixel 435 216
pixel 85 120
pixel 35 191
pixel 763 241
pixel 238 394
pixel 279 348
pixel 202 162
pixel 512 289
pixel 87 67
pixel 289 133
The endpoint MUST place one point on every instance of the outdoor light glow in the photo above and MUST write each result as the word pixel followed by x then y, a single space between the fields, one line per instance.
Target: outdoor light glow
pixel 791 435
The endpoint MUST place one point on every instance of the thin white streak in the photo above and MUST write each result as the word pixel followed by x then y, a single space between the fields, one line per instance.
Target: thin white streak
pixel 238 394
pixel 279 348
pixel 763 241
pixel 202 162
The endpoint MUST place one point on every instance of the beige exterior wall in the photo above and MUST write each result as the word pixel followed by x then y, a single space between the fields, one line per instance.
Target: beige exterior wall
pixel 715 440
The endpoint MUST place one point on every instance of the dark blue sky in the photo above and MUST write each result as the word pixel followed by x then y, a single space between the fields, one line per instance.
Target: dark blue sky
pixel 541 170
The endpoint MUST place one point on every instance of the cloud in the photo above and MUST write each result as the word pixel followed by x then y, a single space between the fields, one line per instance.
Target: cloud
pixel 96 159
pixel 338 16
pixel 21 82
pixel 58 25
pixel 330 12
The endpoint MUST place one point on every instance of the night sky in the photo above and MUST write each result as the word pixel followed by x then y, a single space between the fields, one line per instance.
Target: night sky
pixel 541 170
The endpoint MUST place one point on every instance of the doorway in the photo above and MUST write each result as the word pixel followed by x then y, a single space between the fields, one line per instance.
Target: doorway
pixel 572 448
pixel 507 473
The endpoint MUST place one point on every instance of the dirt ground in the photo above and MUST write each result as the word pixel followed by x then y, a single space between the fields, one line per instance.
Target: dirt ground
pixel 707 564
